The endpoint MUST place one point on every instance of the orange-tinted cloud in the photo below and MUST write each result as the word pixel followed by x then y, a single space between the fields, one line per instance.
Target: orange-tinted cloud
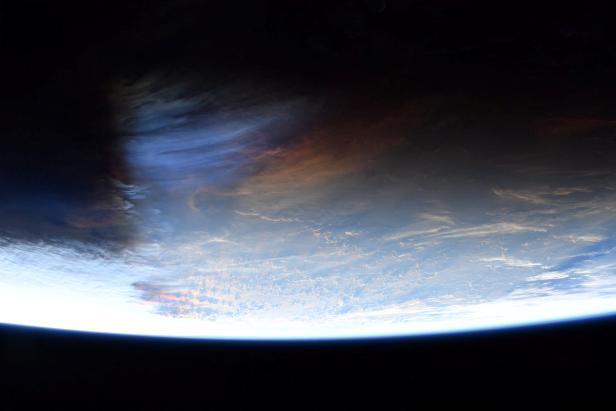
pixel 340 147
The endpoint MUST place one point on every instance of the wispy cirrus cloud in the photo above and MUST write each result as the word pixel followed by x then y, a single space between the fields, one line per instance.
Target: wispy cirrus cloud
pixel 538 196
pixel 480 230
pixel 510 261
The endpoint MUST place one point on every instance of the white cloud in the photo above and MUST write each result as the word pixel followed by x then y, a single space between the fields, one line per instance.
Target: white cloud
pixel 538 196
pixel 586 238
pixel 511 262
pixel 550 275
pixel 528 196
pixel 412 233
pixel 483 230
pixel 438 218
pixel 266 218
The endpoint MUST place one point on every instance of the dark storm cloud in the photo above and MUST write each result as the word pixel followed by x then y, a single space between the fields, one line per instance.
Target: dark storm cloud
pixel 55 176
pixel 55 161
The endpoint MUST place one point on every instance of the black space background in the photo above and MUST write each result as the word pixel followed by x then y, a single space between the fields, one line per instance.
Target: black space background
pixel 56 60
pixel 558 363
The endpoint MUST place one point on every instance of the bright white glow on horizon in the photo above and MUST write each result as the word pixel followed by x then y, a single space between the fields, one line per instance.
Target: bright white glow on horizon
pixel 44 297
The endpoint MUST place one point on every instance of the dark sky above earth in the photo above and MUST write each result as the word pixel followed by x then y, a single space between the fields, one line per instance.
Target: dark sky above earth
pixel 536 71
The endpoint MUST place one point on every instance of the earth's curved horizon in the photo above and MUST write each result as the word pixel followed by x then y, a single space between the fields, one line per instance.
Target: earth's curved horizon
pixel 304 175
